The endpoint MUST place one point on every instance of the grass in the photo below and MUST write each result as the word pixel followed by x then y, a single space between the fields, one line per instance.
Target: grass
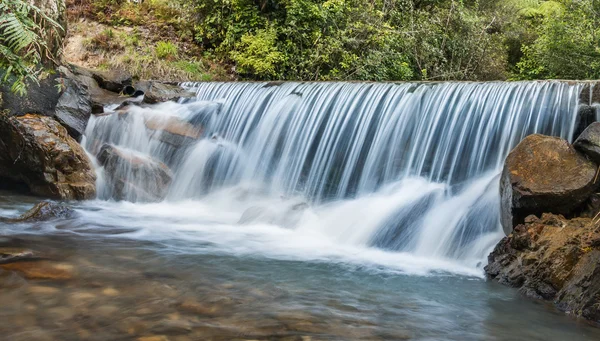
pixel 152 40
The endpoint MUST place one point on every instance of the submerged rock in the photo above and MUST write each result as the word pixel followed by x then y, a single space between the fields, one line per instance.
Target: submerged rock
pixel 38 151
pixel 589 142
pixel 134 177
pixel 173 131
pixel 41 270
pixel 43 211
pixel 544 174
pixel 9 255
pixel 553 258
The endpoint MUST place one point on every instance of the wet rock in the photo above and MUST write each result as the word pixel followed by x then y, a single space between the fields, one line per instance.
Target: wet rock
pixel 552 258
pixel 113 80
pixel 43 211
pixel 41 98
pixel 74 108
pixel 134 177
pixel 589 142
pixel 9 255
pixel 155 92
pixel 586 115
pixel 41 270
pixel 173 131
pixel 38 151
pixel 544 174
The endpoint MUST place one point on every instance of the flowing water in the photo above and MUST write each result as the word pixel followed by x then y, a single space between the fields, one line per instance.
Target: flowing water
pixel 306 211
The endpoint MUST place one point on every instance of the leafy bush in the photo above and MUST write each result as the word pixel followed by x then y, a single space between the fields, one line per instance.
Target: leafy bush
pixel 25 33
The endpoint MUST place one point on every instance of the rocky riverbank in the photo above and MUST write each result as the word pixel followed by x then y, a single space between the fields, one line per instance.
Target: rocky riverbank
pixel 550 209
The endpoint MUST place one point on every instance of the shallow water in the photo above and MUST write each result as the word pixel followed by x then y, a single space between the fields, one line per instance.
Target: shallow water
pixel 190 271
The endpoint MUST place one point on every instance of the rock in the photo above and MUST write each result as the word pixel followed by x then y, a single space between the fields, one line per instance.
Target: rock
pixel 173 131
pixel 544 174
pixel 586 115
pixel 39 152
pixel 99 96
pixel 113 80
pixel 552 258
pixel 41 270
pixel 9 255
pixel 155 92
pixel 134 177
pixel 40 99
pixel 44 211
pixel 74 108
pixel 588 142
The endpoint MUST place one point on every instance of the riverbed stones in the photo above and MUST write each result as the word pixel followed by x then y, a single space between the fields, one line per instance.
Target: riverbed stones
pixel 589 142
pixel 38 151
pixel 544 174
pixel 134 177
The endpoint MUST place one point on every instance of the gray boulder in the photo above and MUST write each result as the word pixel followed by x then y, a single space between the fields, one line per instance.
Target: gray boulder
pixel 134 177
pixel 589 142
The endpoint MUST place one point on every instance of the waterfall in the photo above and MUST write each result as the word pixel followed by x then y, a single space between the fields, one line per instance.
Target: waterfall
pixel 408 167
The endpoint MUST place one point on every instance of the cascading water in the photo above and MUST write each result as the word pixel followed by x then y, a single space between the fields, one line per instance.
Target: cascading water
pixel 407 168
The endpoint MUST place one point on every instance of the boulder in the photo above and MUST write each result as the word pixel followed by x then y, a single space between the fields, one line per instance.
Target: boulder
pixel 134 177
pixel 155 92
pixel 544 175
pixel 74 108
pixel 41 98
pixel 589 142
pixel 586 115
pixel 38 151
pixel 113 80
pixel 42 212
pixel 555 259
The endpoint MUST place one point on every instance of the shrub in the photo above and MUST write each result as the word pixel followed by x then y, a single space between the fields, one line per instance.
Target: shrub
pixel 24 34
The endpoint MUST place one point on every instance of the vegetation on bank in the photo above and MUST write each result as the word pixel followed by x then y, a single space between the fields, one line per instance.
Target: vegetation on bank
pixel 28 37
pixel 320 39
pixel 379 39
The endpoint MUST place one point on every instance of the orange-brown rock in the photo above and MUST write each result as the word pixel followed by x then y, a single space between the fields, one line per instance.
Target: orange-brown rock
pixel 553 258
pixel 544 174
pixel 38 151
pixel 41 270
pixel 173 131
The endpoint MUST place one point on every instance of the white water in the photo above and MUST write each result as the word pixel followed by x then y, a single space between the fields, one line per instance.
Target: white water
pixel 402 176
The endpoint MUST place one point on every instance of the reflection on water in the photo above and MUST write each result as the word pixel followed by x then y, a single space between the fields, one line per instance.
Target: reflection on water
pixel 98 280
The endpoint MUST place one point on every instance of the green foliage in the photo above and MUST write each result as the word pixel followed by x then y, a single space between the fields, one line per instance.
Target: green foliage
pixel 166 50
pixel 567 44
pixel 25 31
pixel 349 39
